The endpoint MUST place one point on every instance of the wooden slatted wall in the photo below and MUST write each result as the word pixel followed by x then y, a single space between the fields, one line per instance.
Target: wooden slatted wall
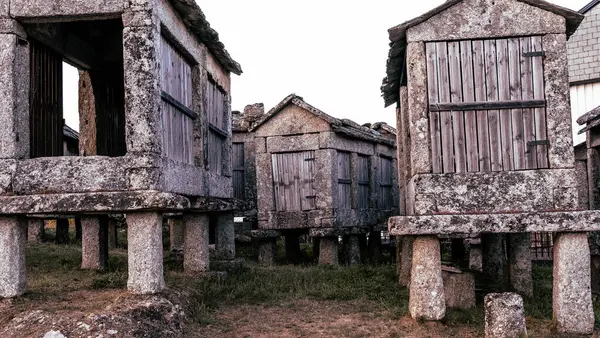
pixel 239 179
pixel 46 102
pixel 344 200
pixel 363 182
pixel 177 116
pixel 293 181
pixel 487 108
pixel 386 184
pixel 216 99
pixel 109 96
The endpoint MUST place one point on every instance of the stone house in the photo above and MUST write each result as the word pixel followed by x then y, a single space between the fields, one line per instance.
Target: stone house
pixel 485 148
pixel 155 130
pixel 321 176
pixel 584 65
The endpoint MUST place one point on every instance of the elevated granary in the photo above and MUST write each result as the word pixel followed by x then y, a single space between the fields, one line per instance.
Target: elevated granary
pixel 321 176
pixel 155 128
pixel 484 137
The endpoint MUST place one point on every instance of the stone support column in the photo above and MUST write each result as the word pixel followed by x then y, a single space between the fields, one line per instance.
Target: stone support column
pixel 571 291
pixel 427 298
pixel 406 258
pixel 35 230
pixel 266 251
pixel 176 234
pixel 504 315
pixel 519 263
pixel 94 242
pixel 13 279
pixel 494 260
pixel 62 231
pixel 375 247
pixel 113 241
pixel 353 250
pixel 196 257
pixel 292 247
pixel 225 239
pixel 475 259
pixel 328 251
pixel 145 253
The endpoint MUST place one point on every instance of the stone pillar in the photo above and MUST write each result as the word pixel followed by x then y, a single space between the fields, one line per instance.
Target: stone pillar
pixel 196 256
pixel 375 247
pixel 225 237
pixel 458 251
pixel 266 251
pixel 145 253
pixel 14 89
pixel 475 258
pixel 113 239
pixel 293 253
pixel 35 230
pixel 406 258
pixel 459 290
pixel 13 280
pixel 62 231
pixel 519 263
pixel 176 230
pixel 494 260
pixel 94 242
pixel 328 251
pixel 78 230
pixel 353 250
pixel 504 315
pixel 571 290
pixel 427 299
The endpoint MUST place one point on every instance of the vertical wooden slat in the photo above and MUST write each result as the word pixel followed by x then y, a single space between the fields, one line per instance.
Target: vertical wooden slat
pixel 491 78
pixel 527 94
pixel 514 64
pixel 458 117
pixel 468 81
pixel 538 93
pixel 483 132
pixel 434 117
pixel 445 117
pixel 504 95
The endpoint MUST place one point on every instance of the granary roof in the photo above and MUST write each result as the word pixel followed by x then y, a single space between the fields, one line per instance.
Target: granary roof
pixel 589 6
pixel 396 63
pixel 591 119
pixel 343 126
pixel 68 132
pixel 194 19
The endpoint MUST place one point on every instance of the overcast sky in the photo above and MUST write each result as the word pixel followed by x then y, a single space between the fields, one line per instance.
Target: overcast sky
pixel 331 52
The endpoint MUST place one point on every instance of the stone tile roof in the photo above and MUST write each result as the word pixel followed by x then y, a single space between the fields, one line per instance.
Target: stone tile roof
pixel 344 126
pixel 591 119
pixel 194 19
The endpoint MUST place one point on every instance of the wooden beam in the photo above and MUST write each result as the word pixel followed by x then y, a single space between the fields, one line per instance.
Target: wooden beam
pixel 490 105
pixel 178 105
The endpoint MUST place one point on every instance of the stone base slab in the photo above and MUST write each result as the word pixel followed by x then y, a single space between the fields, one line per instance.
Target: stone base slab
pixel 265 234
pixel 334 232
pixel 563 221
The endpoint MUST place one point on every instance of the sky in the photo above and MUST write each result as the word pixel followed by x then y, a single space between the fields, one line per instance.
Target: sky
pixel 331 52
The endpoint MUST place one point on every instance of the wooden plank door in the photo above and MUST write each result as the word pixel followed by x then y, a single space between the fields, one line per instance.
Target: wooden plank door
pixel 239 177
pixel 45 102
pixel 487 105
pixel 293 181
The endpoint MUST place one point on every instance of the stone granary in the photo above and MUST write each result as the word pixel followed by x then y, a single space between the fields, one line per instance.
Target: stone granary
pixel 485 147
pixel 321 176
pixel 155 129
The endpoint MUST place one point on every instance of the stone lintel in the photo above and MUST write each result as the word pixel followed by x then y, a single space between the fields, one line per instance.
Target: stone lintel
pixel 100 202
pixel 334 232
pixel 211 204
pixel 560 221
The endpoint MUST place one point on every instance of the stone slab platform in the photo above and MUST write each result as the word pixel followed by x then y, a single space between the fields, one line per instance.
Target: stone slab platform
pixel 338 231
pixel 98 202
pixel 474 224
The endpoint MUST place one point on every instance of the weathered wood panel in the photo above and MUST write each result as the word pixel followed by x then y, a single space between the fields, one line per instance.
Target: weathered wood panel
pixel 364 183
pixel 239 171
pixel 487 105
pixel 109 97
pixel 177 115
pixel 344 200
pixel 386 184
pixel 293 181
pixel 46 102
